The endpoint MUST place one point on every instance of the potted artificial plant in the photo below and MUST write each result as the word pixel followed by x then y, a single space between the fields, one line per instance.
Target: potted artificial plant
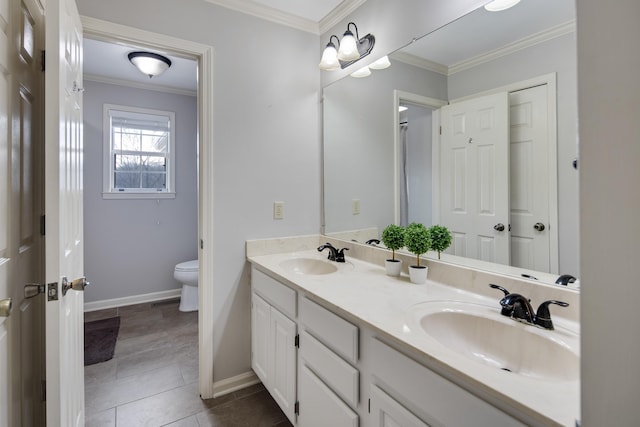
pixel 393 238
pixel 418 241
pixel 440 238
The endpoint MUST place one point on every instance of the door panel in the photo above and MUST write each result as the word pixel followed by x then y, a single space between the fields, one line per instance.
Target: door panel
pixel 530 185
pixel 475 176
pixel 63 208
pixel 21 333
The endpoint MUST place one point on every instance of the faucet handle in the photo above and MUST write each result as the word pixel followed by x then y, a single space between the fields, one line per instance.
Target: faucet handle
pixel 500 288
pixel 340 255
pixel 506 311
pixel 543 316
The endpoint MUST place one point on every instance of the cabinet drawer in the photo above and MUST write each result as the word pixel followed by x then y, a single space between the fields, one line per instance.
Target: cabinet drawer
pixel 332 330
pixel 427 394
pixel 335 372
pixel 279 295
pixel 319 406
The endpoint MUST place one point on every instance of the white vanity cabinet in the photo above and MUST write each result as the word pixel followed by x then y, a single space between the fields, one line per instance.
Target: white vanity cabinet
pixel 273 339
pixel 411 395
pixel 328 380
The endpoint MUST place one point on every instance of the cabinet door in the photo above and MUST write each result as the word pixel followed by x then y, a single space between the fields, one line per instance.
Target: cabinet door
pixel 386 412
pixel 260 337
pixel 283 362
pixel 321 407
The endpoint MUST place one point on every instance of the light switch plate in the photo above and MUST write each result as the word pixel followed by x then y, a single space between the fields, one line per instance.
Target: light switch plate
pixel 355 206
pixel 278 210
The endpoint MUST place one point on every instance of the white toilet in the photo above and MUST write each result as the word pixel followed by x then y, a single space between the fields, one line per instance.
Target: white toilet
pixel 187 274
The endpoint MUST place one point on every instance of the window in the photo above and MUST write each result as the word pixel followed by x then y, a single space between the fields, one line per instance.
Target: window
pixel 138 153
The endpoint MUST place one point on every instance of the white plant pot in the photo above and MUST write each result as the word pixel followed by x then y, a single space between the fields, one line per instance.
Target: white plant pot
pixel 418 275
pixel 393 267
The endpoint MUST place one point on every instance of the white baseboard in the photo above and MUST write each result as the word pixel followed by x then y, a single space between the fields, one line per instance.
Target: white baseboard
pixel 222 387
pixel 135 299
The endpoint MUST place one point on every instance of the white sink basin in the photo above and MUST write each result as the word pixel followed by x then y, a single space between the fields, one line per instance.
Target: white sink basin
pixel 308 266
pixel 481 334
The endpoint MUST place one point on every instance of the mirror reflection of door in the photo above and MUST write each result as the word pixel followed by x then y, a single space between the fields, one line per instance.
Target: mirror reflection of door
pixel 474 171
pixel 531 239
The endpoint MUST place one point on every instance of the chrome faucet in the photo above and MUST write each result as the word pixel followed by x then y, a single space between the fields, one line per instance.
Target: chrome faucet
pixel 518 307
pixel 334 254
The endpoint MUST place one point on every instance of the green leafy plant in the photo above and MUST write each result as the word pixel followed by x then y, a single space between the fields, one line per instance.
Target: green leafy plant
pixel 440 238
pixel 417 239
pixel 393 238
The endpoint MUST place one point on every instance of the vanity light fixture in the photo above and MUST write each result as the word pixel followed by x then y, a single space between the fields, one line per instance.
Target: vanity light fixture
pixel 149 63
pixel 350 49
pixel 498 5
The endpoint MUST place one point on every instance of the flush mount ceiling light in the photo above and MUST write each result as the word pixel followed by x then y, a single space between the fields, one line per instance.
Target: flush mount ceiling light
pixel 350 49
pixel 149 63
pixel 498 5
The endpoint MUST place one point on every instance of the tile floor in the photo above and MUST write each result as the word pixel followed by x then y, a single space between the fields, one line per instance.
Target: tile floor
pixel 152 379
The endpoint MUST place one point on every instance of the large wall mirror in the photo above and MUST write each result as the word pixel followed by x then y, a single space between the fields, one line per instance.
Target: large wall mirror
pixel 390 153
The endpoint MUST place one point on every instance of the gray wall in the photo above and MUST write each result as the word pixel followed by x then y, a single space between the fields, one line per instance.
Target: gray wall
pixel 132 246
pixel 266 129
pixel 266 136
pixel 359 143
pixel 609 105
pixel 554 56
pixel 419 164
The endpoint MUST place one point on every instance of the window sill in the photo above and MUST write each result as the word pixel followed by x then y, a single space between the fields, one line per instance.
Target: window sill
pixel 130 195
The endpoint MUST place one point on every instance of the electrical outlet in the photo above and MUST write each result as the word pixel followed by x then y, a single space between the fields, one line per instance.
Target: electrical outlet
pixel 278 210
pixel 355 206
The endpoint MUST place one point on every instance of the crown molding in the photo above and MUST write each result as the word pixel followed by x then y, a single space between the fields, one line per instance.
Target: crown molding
pixel 340 12
pixel 139 85
pixel 529 41
pixel 416 61
pixel 249 7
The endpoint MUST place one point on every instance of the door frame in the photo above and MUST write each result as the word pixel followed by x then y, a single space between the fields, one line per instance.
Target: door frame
pixel 550 80
pixel 434 104
pixel 109 31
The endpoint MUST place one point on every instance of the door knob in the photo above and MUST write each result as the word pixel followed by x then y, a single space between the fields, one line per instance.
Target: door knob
pixel 538 226
pixel 5 307
pixel 499 227
pixel 76 284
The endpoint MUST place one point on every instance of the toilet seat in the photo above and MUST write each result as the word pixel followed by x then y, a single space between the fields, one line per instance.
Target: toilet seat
pixel 187 266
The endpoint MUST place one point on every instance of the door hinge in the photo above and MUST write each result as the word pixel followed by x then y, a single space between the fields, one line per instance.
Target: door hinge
pixel 440 130
pixel 43 390
pixel 43 56
pixel 42 225
pixel 369 406
pixel 296 408
pixel 296 341
pixel 201 244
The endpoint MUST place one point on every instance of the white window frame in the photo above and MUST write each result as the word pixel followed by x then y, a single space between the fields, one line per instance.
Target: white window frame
pixel 108 190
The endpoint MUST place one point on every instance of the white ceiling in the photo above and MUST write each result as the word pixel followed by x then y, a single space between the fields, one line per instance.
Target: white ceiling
pixel 313 10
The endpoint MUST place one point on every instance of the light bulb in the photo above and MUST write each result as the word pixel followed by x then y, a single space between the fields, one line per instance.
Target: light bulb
pixel 348 48
pixel 329 61
pixel 362 72
pixel 381 63
pixel 498 5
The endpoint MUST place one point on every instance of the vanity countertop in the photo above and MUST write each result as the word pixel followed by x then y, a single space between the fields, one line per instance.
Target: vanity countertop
pixel 362 290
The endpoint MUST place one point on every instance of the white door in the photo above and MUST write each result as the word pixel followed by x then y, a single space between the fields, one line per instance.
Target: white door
pixel 63 210
pixel 474 177
pixel 282 361
pixel 21 370
pixel 530 223
pixel 260 314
